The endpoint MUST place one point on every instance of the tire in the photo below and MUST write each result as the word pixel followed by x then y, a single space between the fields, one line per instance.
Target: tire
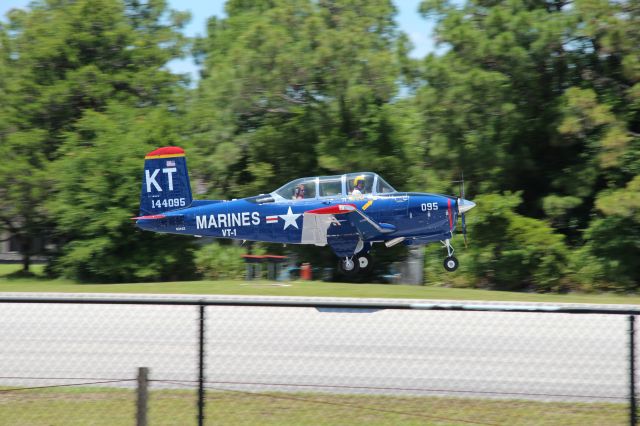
pixel 349 267
pixel 451 263
pixel 364 262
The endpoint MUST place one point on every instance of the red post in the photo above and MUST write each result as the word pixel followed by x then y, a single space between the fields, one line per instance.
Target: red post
pixel 305 272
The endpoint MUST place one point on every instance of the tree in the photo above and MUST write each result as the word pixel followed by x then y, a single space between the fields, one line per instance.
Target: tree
pixel 22 180
pixel 608 260
pixel 538 97
pixel 296 88
pixel 488 101
pixel 67 59
pixel 99 173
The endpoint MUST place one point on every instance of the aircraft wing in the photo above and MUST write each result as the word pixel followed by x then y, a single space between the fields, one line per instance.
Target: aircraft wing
pixel 364 224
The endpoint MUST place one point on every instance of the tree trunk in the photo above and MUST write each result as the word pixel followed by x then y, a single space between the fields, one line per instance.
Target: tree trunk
pixel 25 249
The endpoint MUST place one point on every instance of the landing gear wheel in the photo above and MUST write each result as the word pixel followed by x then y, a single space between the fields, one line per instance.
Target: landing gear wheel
pixel 364 262
pixel 451 263
pixel 348 266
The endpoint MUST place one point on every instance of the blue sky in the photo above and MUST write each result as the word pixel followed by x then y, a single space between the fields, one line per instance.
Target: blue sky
pixel 409 21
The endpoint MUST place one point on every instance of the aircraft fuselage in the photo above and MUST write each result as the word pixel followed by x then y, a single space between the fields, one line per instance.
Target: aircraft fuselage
pixel 427 217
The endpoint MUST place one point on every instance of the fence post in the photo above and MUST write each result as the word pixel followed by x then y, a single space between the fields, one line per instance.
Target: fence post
pixel 143 396
pixel 633 419
pixel 201 368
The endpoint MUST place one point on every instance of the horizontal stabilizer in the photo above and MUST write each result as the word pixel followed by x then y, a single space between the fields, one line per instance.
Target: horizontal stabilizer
pixel 150 217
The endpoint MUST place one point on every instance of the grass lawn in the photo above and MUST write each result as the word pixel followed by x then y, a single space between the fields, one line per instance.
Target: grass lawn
pixel 295 288
pixel 69 406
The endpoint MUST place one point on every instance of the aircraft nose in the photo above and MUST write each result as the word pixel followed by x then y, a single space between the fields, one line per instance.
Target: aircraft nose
pixel 465 205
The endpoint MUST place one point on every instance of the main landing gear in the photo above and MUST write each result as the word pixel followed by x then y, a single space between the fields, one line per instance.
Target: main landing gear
pixel 348 266
pixel 450 262
pixel 361 262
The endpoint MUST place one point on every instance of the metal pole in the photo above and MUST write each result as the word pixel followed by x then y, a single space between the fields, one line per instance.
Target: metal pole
pixel 143 396
pixel 633 418
pixel 201 368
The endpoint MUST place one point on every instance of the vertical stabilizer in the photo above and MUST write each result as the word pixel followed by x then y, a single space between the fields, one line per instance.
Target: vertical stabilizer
pixel 165 183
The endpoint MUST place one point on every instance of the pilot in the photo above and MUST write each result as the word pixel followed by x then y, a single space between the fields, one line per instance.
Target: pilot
pixel 358 186
pixel 298 192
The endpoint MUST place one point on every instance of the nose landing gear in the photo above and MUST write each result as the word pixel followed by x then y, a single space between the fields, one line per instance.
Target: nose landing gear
pixel 450 262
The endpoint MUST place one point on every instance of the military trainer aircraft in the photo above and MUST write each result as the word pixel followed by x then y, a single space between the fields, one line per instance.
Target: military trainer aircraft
pixel 348 212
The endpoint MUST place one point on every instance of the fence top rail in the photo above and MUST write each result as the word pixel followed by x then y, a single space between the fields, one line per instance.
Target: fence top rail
pixel 319 304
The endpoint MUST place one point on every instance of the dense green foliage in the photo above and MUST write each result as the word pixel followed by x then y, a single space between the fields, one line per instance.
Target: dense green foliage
pixel 291 88
pixel 87 95
pixel 542 98
pixel 537 102
pixel 220 262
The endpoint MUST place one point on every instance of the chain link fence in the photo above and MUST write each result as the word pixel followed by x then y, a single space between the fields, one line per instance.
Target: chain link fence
pixel 75 361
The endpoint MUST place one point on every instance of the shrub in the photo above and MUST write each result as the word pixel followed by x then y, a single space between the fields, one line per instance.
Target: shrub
pixel 509 251
pixel 217 261
pixel 609 259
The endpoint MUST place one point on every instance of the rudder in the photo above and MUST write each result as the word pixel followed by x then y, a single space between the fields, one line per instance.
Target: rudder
pixel 165 184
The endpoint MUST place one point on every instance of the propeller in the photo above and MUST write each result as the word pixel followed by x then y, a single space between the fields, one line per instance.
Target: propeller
pixel 461 199
pixel 464 230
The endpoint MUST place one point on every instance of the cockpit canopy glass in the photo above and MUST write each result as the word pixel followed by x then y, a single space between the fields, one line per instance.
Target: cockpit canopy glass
pixel 352 184
pixel 330 186
pixel 298 189
pixel 360 183
pixel 383 187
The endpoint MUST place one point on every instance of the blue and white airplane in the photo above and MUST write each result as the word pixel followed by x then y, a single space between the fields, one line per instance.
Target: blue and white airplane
pixel 348 212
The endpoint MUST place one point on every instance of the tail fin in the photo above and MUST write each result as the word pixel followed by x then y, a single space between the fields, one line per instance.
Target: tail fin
pixel 165 185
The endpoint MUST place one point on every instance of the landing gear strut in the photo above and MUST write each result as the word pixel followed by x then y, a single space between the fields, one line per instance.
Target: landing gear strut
pixel 450 262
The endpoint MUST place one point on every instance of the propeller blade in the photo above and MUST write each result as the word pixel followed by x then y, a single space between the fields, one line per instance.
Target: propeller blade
pixel 467 206
pixel 464 230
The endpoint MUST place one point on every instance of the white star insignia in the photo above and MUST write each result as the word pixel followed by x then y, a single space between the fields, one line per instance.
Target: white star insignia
pixel 290 219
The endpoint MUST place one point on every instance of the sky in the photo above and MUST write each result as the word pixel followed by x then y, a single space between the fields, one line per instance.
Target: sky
pixel 417 28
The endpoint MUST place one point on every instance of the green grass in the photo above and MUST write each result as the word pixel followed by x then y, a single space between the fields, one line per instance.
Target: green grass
pixel 54 407
pixel 295 288
pixel 11 268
